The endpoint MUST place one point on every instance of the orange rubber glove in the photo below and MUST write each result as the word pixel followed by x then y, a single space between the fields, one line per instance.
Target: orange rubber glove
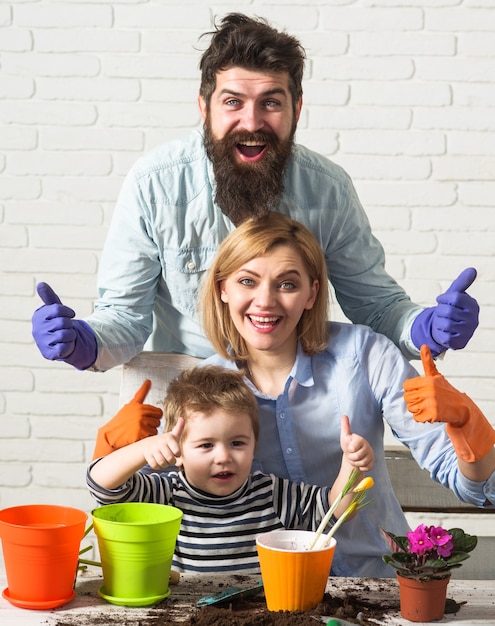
pixel 431 398
pixel 133 422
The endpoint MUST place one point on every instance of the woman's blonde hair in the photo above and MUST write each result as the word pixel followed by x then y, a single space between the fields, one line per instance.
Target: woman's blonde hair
pixel 255 238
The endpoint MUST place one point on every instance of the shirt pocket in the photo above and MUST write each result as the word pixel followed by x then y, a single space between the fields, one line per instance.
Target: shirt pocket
pixel 183 273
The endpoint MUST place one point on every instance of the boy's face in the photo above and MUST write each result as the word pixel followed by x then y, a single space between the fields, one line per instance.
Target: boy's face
pixel 217 451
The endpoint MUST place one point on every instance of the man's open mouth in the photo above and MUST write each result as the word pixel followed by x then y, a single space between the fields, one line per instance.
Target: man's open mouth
pixel 251 149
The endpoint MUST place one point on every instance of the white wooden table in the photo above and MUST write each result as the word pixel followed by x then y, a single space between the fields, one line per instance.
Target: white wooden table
pixel 88 608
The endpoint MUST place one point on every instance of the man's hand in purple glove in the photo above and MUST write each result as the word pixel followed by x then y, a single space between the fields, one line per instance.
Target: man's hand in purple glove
pixel 58 336
pixel 451 323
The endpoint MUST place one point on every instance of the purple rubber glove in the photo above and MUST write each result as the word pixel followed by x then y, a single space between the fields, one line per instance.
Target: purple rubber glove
pixel 58 336
pixel 451 323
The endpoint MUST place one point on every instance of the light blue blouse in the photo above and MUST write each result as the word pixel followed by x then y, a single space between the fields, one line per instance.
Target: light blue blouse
pixel 360 374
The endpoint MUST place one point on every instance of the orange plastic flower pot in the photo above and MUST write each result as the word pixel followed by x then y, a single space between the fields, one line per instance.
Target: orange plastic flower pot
pixel 294 578
pixel 41 544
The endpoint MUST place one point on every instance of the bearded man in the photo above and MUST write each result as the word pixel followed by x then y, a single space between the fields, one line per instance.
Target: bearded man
pixel 180 201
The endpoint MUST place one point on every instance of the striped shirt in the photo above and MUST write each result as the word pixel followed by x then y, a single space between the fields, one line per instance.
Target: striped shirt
pixel 218 533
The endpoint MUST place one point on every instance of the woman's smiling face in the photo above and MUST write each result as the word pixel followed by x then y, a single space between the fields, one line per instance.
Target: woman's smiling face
pixel 266 297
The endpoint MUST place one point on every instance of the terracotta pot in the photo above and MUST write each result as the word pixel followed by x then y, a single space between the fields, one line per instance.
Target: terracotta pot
pixel 422 601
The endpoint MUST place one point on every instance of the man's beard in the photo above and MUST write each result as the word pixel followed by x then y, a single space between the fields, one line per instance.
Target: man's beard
pixel 247 189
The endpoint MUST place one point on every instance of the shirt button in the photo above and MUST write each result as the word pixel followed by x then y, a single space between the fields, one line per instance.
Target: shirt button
pixel 282 416
pixel 289 450
pixel 191 265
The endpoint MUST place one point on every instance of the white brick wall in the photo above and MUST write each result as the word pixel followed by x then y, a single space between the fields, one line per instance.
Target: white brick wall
pixel 402 95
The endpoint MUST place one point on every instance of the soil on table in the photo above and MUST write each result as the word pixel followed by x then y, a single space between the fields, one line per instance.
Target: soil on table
pixel 253 612
pixel 366 602
pixel 351 604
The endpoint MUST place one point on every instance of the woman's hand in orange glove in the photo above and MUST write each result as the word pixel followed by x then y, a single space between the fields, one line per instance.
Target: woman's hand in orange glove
pixel 431 398
pixel 133 422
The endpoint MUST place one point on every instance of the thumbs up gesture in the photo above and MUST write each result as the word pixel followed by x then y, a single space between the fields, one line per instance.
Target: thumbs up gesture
pixel 431 398
pixel 133 422
pixel 356 449
pixel 451 323
pixel 164 450
pixel 58 335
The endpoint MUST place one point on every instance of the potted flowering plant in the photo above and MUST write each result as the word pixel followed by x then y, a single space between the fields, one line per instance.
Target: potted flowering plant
pixel 429 552
pixel 424 559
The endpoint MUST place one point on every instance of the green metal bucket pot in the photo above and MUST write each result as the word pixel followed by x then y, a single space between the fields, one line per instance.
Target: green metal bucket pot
pixel 136 541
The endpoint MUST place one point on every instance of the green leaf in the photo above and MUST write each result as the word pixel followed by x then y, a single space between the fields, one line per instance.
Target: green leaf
pixel 457 557
pixel 396 542
pixel 435 564
pixel 462 541
pixel 403 557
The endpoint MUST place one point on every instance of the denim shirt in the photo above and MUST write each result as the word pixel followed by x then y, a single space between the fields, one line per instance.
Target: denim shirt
pixel 166 229
pixel 360 374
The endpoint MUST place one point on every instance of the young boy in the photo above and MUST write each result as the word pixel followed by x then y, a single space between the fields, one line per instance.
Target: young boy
pixel 212 427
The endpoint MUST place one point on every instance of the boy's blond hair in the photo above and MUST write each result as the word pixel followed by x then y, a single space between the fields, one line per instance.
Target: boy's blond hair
pixel 204 389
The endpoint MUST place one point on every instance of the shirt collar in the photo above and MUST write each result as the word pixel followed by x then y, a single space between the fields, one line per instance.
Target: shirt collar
pixel 302 370
pixel 209 167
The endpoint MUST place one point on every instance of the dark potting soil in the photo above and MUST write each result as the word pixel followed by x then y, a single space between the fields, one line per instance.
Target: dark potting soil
pixel 366 602
pixel 252 611
pixel 352 608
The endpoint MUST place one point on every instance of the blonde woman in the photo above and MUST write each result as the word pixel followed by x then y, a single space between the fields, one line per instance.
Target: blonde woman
pixel 264 309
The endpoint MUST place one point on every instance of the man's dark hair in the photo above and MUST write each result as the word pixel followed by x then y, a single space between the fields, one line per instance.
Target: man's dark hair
pixel 251 43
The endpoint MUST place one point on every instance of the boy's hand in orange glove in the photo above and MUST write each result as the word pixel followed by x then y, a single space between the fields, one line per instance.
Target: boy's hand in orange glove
pixel 431 398
pixel 133 422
